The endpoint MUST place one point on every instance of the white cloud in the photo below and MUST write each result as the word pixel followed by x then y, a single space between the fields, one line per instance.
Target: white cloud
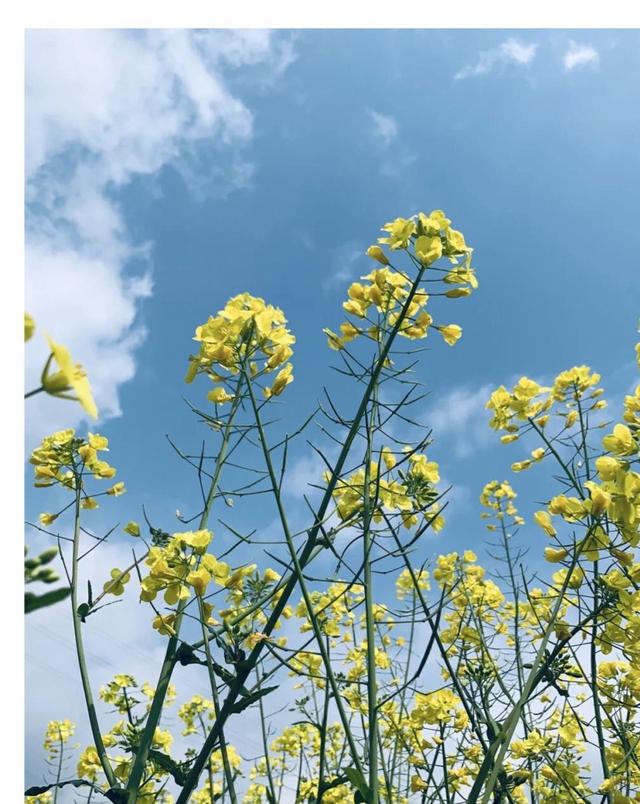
pixel 102 108
pixel 461 416
pixel 511 51
pixel 578 55
pixel 385 127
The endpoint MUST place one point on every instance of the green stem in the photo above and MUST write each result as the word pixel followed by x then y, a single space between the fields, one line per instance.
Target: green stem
pixel 372 690
pixel 298 571
pixel 265 742
pixel 307 552
pixel 82 662
pixel 59 771
pixel 168 663
pixel 494 758
pixel 228 773
pixel 594 682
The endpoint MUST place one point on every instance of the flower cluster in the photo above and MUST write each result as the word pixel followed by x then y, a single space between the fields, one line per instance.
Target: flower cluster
pixel 391 299
pixel 498 499
pixel 411 492
pixel 528 402
pixel 184 566
pixel 64 459
pixel 245 332
pixel 57 735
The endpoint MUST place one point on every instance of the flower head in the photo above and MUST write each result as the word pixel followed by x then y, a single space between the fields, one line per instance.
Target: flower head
pixel 70 377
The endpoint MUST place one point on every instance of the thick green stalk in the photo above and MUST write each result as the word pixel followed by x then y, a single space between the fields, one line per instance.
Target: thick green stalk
pixel 372 686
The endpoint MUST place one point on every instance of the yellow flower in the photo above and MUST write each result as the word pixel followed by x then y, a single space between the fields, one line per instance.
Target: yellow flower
pixel 118 580
pixel 164 624
pixel 58 733
pixel 47 519
pixel 70 377
pixel 132 528
pixel 102 471
pixel 544 520
pixel 607 467
pixel 98 442
pixel 376 253
pixel 600 499
pixel 283 378
pixel 621 441
pixel 29 326
pixel 219 396
pixel 458 293
pixel 199 540
pixel 388 457
pixel 428 249
pixel 451 333
pixel 199 579
pixel 89 765
pixel 555 554
pixel 575 578
pixel 117 489
pixel 400 230
pixel 246 326
pixel 520 466
pixel 455 242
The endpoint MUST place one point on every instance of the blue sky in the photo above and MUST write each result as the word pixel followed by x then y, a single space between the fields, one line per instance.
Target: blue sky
pixel 196 169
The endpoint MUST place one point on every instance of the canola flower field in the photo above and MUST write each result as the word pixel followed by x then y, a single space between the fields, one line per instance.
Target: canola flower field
pixel 409 676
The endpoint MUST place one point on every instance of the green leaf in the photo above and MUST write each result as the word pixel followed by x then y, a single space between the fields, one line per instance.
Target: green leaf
pixel 358 781
pixel 248 700
pixel 36 791
pixel 117 795
pixel 177 769
pixel 32 602
pixel 186 655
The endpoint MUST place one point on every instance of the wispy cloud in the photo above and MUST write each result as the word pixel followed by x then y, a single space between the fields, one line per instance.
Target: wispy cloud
pixel 461 417
pixel 105 107
pixel 385 128
pixel 511 51
pixel 342 267
pixel 579 55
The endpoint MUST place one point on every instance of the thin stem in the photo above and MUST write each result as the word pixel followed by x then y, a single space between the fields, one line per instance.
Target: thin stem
pixel 265 741
pixel 300 575
pixel 228 773
pixel 372 690
pixel 307 552
pixel 168 663
pixel 82 662
pixel 59 770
